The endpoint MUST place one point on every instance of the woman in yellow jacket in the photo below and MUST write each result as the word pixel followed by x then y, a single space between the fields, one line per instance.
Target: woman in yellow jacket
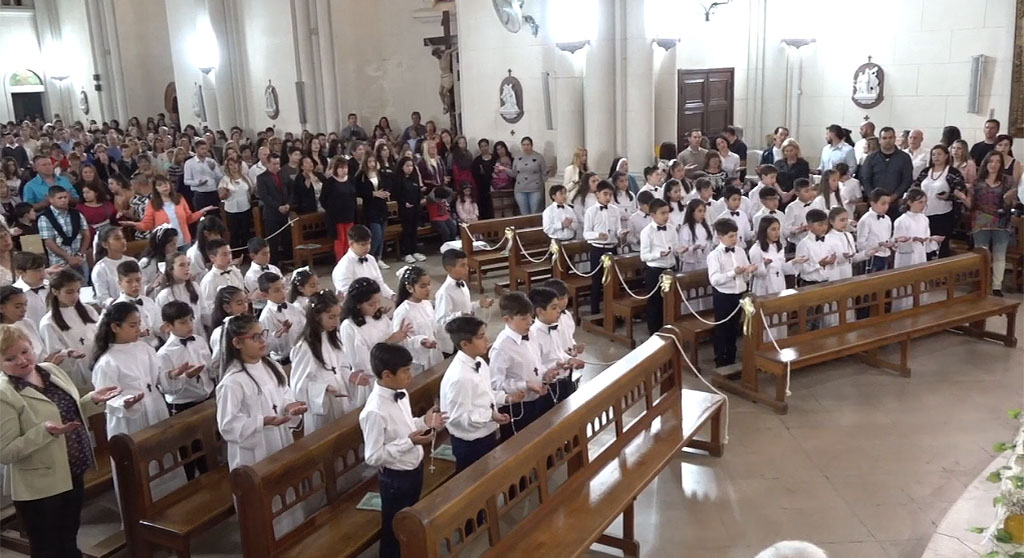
pixel 44 444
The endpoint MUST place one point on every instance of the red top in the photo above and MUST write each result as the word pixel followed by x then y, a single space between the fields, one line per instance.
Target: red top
pixel 98 216
pixel 437 210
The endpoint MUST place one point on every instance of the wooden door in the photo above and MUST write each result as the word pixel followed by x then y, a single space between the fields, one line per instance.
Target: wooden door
pixel 705 102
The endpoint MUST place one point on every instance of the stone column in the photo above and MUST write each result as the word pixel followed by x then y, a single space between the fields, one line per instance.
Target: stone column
pixel 97 50
pixel 329 79
pixel 599 90
pixel 569 117
pixel 116 71
pixel 639 78
pixel 304 71
pixel 219 86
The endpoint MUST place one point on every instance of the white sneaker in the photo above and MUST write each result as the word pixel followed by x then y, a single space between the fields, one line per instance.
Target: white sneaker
pixel 410 260
pixel 382 265
pixel 419 257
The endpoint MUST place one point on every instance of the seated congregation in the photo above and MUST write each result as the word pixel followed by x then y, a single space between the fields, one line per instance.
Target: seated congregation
pixel 378 410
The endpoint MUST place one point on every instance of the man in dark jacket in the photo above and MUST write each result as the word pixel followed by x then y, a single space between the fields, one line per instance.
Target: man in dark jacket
pixel 274 193
pixel 889 169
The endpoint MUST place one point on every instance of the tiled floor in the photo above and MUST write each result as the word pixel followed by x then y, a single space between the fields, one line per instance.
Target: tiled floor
pixel 865 464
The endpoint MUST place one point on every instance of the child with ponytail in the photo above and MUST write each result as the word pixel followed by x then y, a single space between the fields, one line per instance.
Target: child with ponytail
pixel 320 368
pixel 416 309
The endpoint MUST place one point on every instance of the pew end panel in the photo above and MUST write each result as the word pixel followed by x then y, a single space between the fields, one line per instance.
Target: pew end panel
pixel 576 252
pixel 491 231
pixel 521 269
pixel 696 286
pixel 311 239
pixel 619 304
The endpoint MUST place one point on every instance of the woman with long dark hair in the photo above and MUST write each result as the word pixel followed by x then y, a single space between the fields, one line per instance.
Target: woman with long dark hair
pixel 990 200
pixel 938 181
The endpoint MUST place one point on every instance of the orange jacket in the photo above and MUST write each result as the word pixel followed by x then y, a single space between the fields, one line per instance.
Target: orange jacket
pixel 154 218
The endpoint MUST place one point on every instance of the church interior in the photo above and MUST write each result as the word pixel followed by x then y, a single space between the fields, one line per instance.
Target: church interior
pixel 861 404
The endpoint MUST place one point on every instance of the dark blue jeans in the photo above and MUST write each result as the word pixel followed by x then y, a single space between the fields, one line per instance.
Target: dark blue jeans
pixel 398 489
pixel 376 239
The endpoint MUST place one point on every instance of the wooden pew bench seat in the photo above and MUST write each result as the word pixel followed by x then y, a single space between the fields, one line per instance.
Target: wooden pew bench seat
pixel 193 508
pixel 701 408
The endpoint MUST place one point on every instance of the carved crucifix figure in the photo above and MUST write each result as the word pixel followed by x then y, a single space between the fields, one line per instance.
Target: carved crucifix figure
pixel 444 48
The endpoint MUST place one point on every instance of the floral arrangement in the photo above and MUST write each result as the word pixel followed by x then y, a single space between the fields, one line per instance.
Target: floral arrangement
pixel 1006 533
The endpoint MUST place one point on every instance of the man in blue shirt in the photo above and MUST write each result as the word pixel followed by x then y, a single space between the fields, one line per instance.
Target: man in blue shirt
pixel 37 190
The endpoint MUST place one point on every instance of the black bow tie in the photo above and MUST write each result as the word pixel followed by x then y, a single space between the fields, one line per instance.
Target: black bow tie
pixel 735 213
pixel 526 338
pixel 399 395
pixel 37 289
pixel 226 272
pixel 282 307
pixel 808 204
pixel 819 238
pixel 560 206
pixel 264 268
pixel 186 340
pixel 880 217
pixel 602 207
pixel 363 260
pixel 553 327
pixel 460 284
pixel 476 365
pixel 772 212
pixel 730 250
pixel 662 228
pixel 138 302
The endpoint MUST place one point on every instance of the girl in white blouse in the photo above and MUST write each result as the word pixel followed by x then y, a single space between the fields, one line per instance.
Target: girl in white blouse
pixel 302 285
pixel 696 236
pixel 229 301
pixel 178 285
pixel 256 409
pixel 769 255
pixel 163 242
pixel 416 309
pixel 209 228
pixel 71 326
pixel 586 196
pixel 912 234
pixel 364 326
pixel 623 198
pixel 110 248
pixel 320 368
pixel 677 207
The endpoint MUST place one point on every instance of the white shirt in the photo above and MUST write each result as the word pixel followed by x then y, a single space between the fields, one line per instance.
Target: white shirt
pixel 934 185
pixel 566 334
pixel 31 331
pixel 310 379
pixel 656 239
pixel 552 220
pixel 197 170
pixel 815 250
pixel 919 158
pixel 842 243
pixel 351 267
pixel 238 200
pixel 754 197
pixel 764 212
pixel 796 217
pixel 772 267
pixel 420 315
pixel 872 230
pixel 514 362
pixel 243 400
pixel 654 189
pixel 386 423
pixel 720 206
pixel 722 269
pixel 133 367
pixel 196 265
pixel 742 221
pixel 832 155
pixel 467 398
pixel 700 242
pixel 151 320
pixel 212 282
pixel 451 301
pixel 548 345
pixel 254 172
pixel 851 193
pixel 910 252
pixel 858 150
pixel 36 300
pixel 602 219
pixel 79 336
pixel 252 280
pixel 637 221
pixel 730 164
pixel 104 280
pixel 273 317
pixel 172 356
pixel 180 292
pixel 358 341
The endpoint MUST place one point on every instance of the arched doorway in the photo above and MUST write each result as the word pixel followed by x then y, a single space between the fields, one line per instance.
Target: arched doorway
pixel 26 89
pixel 171 102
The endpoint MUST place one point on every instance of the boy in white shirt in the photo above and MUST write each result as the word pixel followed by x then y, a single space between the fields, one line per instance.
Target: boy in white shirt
pixel 220 275
pixel 129 280
pixel 659 245
pixel 638 220
pixel 769 179
pixel 259 253
pixel 653 178
pixel 546 336
pixel 358 262
pixel 850 191
pixel 602 229
pixel 817 249
pixel 795 224
pixel 735 213
pixel 393 439
pixel 466 395
pixel 874 230
pixel 285 321
pixel 515 364
pixel 30 268
pixel 566 323
pixel 728 271
pixel 769 202
pixel 559 219
pixel 452 298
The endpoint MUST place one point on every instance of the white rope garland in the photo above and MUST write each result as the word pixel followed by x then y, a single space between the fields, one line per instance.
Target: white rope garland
pixel 626 287
pixel 523 252
pixel 679 346
pixel 504 239
pixel 679 288
pixel 789 366
pixel 597 268
pixel 272 235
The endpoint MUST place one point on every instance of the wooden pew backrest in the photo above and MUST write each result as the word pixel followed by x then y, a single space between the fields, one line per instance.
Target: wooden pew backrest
pixel 697 288
pixel 492 231
pixel 577 437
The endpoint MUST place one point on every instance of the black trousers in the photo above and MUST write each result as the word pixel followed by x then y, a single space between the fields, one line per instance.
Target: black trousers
pixel 468 452
pixel 205 199
pixel 943 224
pixel 239 227
pixel 52 522
pixel 398 490
pixel 596 287
pixel 410 222
pixel 655 305
pixel 725 333
pixel 564 387
pixel 522 415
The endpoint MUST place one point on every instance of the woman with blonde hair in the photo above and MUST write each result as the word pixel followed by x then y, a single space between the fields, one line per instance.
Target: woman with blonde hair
pixel 573 172
pixel 45 444
pixel 792 165
pixel 235 191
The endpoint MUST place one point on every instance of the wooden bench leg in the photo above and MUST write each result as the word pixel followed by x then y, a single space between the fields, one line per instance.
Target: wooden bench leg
pixel 1011 330
pixel 628 544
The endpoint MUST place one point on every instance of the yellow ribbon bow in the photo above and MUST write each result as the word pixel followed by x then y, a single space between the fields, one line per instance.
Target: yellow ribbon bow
pixel 555 248
pixel 747 304
pixel 606 261
pixel 510 232
pixel 666 282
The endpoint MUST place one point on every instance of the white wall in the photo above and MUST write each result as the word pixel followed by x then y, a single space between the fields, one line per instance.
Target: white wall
pixel 181 25
pixel 145 56
pixel 18 28
pixel 271 56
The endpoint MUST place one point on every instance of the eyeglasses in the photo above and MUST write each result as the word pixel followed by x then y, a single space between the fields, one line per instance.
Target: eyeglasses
pixel 258 336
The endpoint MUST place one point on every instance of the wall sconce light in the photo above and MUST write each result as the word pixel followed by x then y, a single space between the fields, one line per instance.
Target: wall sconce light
pixel 667 44
pixel 572 46
pixel 59 78
pixel 711 9
pixel 206 69
pixel 798 43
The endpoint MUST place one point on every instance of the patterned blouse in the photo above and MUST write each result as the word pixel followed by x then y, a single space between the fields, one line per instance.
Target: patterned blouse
pixel 989 211
pixel 79 448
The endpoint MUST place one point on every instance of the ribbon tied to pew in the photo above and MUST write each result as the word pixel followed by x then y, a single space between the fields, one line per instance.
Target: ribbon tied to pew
pixel 747 305
pixel 607 263
pixel 555 248
pixel 666 282
pixel 510 233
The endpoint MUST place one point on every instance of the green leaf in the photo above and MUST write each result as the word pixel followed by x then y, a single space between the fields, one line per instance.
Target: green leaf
pixel 994 477
pixel 1003 537
pixel 991 554
pixel 1001 447
pixel 1015 414
pixel 976 530
pixel 1017 554
pixel 1018 482
pixel 997 500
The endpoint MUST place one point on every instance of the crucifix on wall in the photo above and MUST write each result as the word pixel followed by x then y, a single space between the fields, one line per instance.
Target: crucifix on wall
pixel 445 49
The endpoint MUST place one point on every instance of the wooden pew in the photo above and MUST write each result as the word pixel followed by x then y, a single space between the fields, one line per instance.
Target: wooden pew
pixel 491 231
pixel 577 252
pixel 950 293
pixel 697 287
pixel 327 463
pixel 97 480
pixel 553 489
pixel 618 304
pixel 521 270
pixel 393 229
pixel 311 239
pixel 1015 254
pixel 175 519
